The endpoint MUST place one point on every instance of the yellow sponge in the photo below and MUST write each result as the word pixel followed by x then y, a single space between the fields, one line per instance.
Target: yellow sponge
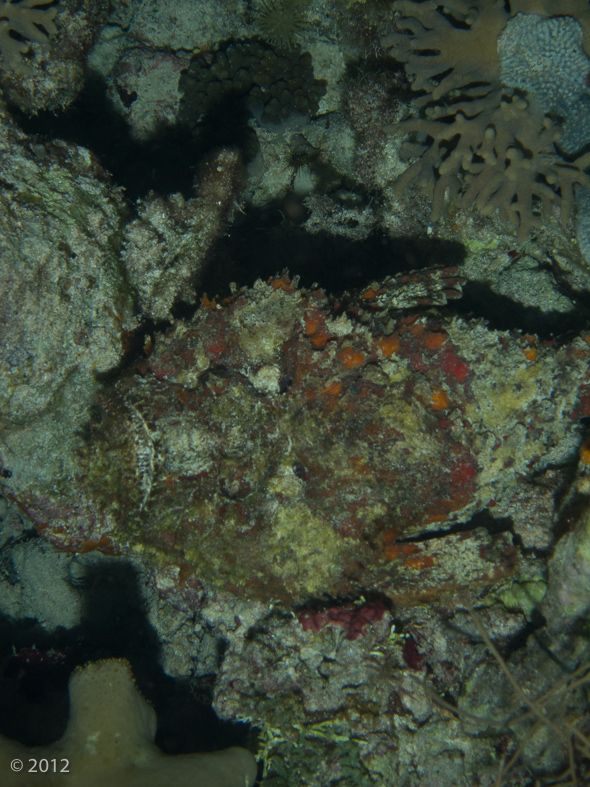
pixel 109 742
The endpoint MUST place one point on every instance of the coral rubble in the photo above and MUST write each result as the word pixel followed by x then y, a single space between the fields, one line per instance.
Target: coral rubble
pixel 290 447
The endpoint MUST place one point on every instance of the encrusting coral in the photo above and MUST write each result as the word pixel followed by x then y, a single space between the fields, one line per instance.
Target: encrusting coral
pixel 109 740
pixel 29 21
pixel 274 83
pixel 481 136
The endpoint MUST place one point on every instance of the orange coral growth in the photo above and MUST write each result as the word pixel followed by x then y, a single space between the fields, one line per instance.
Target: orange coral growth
pixel 439 399
pixel 315 328
pixel 360 465
pixel 419 562
pixel 434 341
pixel 334 389
pixel 388 344
pixel 351 358
pixel 103 544
pixel 530 353
pixel 208 304
pixel 585 452
pixel 282 283
pixel 371 294
pixel 391 553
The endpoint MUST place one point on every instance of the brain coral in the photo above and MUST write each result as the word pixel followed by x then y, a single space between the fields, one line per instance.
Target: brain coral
pixel 28 21
pixel 483 134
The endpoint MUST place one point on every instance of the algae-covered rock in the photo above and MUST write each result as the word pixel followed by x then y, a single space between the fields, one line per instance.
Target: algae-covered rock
pixel 65 301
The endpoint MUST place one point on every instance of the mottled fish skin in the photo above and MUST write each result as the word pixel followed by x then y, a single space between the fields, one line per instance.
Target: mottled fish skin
pixel 285 445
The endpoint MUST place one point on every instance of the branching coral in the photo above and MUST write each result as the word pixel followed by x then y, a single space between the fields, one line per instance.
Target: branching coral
pixel 28 21
pixel 481 138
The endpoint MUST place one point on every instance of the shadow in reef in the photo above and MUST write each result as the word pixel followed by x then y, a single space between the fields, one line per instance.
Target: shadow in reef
pixel 35 667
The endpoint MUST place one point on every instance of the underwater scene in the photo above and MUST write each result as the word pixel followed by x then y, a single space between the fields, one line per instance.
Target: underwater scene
pixel 295 393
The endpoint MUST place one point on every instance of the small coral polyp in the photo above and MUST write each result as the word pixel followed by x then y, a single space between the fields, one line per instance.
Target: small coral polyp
pixel 284 447
pixel 483 134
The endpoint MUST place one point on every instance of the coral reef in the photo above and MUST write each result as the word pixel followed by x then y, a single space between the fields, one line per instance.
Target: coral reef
pixel 110 740
pixel 22 21
pixel 478 139
pixel 290 447
pixel 55 69
pixel 167 247
pixel 310 492
pixel 60 224
pixel 546 59
pixel 274 84
pixel 369 708
pixel 365 692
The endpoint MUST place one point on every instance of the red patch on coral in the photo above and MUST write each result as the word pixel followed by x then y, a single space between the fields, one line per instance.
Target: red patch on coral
pixel 411 655
pixel 452 365
pixel 353 619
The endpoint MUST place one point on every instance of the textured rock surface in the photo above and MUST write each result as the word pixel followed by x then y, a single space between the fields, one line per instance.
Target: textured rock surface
pixel 365 707
pixel 60 221
pixel 47 72
pixel 168 245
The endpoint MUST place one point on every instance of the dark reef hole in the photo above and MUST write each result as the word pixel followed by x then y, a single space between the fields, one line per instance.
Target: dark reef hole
pixel 35 666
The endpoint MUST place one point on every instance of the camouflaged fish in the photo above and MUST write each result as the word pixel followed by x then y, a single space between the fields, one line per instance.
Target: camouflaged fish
pixel 284 445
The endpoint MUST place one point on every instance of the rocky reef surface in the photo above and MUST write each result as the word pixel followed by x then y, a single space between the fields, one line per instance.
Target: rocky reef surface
pixel 343 505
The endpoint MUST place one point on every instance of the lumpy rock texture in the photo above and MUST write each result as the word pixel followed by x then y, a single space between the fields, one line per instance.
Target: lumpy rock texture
pixel 274 83
pixel 286 446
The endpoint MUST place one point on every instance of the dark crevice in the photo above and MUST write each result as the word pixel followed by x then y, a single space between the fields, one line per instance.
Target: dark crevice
pixel 331 602
pixel 519 640
pixel 481 519
pixel 262 243
pixel 166 165
pixel 35 667
pixel 504 314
